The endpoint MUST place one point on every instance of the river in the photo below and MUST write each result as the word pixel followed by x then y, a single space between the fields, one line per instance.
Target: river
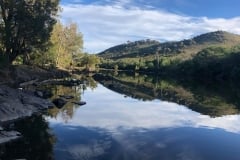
pixel 133 118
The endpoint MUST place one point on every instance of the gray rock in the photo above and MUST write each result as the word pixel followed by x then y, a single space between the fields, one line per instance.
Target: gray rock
pixel 80 103
pixel 43 94
pixel 15 104
pixel 39 93
pixel 2 92
pixel 7 136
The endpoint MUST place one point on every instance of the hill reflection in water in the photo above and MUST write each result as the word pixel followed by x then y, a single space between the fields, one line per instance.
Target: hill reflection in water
pixel 134 117
pixel 209 99
pixel 113 125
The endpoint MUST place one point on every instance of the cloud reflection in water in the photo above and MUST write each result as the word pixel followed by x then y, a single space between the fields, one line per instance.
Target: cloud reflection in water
pixel 109 110
pixel 115 127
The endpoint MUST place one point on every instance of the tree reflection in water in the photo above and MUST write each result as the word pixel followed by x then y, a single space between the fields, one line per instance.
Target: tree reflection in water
pixel 210 99
pixel 67 112
pixel 36 144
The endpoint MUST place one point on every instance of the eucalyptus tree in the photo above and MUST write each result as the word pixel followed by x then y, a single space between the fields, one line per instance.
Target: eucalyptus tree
pixel 66 44
pixel 25 25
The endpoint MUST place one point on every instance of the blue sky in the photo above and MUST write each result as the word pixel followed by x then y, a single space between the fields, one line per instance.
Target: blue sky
pixel 105 23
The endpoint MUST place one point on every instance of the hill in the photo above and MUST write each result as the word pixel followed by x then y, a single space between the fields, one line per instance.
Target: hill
pixel 130 49
pixel 184 49
pixel 208 57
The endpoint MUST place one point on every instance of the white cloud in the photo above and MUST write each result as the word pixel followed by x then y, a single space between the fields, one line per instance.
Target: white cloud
pixel 104 26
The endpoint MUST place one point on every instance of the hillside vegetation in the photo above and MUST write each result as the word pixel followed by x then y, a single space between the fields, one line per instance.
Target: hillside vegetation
pixel 210 56
pixel 130 49
pixel 184 49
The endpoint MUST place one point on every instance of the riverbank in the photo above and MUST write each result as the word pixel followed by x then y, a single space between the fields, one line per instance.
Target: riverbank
pixel 15 102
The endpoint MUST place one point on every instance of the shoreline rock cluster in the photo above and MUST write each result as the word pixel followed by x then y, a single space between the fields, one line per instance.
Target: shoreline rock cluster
pixel 15 104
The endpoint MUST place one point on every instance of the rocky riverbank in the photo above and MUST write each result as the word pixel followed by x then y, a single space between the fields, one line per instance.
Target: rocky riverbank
pixel 15 75
pixel 15 103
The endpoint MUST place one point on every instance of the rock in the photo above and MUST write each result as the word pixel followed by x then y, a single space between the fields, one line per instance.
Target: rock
pixel 3 92
pixel 15 104
pixel 39 93
pixel 7 136
pixel 43 93
pixel 59 102
pixel 66 96
pixel 80 103
pixel 28 83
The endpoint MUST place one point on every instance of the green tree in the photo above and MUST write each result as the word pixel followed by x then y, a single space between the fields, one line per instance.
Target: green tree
pixel 25 25
pixel 89 61
pixel 66 45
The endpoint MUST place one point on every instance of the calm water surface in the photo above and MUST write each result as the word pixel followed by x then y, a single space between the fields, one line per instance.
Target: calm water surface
pixel 135 117
pixel 114 126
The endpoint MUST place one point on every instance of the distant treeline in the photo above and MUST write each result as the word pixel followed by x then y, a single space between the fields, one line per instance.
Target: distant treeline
pixel 213 63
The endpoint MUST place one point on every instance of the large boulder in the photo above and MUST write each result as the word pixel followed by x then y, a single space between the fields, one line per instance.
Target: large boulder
pixel 15 104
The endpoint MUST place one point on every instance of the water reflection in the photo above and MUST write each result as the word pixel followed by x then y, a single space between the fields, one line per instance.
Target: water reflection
pixel 69 108
pixel 67 111
pixel 113 126
pixel 109 110
pixel 36 144
pixel 139 144
pixel 134 117
pixel 209 99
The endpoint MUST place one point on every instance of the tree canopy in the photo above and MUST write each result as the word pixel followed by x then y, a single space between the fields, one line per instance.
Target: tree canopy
pixel 25 25
pixel 66 44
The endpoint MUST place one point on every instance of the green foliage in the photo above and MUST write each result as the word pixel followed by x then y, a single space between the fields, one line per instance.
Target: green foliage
pixel 25 26
pixel 209 56
pixel 210 64
pixel 214 63
pixel 150 65
pixel 212 52
pixel 89 61
pixel 130 49
pixel 66 45
pixel 18 60
pixel 115 67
